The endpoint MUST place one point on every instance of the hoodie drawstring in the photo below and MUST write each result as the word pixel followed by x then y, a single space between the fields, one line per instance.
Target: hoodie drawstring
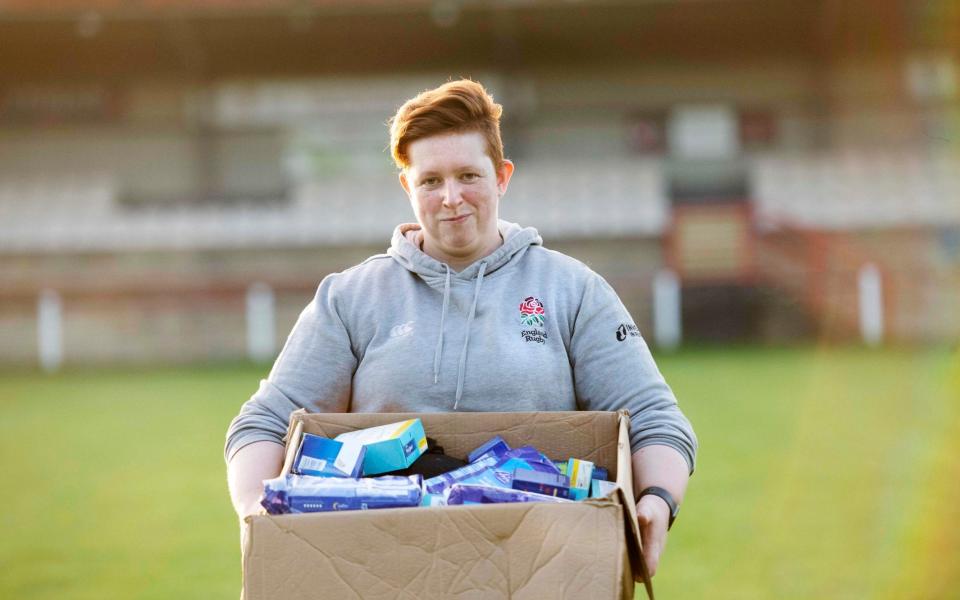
pixel 466 341
pixel 443 314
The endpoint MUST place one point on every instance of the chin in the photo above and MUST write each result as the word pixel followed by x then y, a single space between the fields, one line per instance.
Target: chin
pixel 460 244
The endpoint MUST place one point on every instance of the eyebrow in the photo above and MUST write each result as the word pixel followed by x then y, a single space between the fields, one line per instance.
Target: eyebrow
pixel 456 170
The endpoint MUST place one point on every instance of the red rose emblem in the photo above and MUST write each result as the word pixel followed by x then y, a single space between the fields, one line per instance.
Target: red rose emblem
pixel 531 306
pixel 531 311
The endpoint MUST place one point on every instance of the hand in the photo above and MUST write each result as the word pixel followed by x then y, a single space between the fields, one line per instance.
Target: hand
pixel 253 508
pixel 247 470
pixel 248 510
pixel 653 515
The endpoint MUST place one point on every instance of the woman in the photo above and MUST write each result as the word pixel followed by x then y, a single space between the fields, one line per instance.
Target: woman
pixel 466 312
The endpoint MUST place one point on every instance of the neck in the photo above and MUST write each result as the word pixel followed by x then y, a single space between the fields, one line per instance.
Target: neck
pixel 459 263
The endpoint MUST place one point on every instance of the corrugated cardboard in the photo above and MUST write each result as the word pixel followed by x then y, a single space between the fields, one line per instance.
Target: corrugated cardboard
pixel 588 549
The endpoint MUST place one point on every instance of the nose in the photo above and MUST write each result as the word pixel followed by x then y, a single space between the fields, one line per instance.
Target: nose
pixel 451 193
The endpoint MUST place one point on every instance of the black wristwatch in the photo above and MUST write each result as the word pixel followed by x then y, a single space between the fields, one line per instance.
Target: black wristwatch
pixel 667 497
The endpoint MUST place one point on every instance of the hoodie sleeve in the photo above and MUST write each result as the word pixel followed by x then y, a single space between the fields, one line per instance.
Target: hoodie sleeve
pixel 313 371
pixel 614 370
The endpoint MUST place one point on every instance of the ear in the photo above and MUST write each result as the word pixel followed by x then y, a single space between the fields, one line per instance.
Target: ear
pixel 504 173
pixel 404 182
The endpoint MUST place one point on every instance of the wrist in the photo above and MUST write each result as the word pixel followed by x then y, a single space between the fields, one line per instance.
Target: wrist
pixel 666 497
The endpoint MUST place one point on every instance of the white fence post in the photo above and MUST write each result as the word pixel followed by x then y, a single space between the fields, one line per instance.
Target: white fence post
pixel 50 330
pixel 260 322
pixel 870 287
pixel 667 325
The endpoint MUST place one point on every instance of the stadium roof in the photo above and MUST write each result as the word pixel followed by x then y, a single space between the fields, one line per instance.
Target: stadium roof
pixel 41 8
pixel 35 6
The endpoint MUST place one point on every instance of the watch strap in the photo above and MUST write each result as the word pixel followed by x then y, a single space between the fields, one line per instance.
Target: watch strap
pixel 667 497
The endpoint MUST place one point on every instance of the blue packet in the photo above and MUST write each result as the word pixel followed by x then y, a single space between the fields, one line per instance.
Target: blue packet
pixel 580 473
pixel 548 484
pixel 296 494
pixel 527 457
pixel 501 473
pixel 600 488
pixel 388 447
pixel 437 485
pixel 494 446
pixel 492 476
pixel 462 493
pixel 598 472
pixel 324 457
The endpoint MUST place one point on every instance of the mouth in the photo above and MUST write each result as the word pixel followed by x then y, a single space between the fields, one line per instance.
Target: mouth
pixel 459 219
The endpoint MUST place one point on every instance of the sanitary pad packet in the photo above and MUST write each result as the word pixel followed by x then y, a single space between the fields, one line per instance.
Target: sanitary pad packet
pixel 304 494
pixel 324 457
pixel 438 484
pixel 548 484
pixel 388 447
pixel 494 446
pixel 462 493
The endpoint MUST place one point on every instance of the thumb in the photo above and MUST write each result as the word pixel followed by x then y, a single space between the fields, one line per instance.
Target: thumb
pixel 644 514
pixel 652 541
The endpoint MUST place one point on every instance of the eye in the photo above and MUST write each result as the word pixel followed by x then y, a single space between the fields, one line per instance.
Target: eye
pixel 470 177
pixel 430 181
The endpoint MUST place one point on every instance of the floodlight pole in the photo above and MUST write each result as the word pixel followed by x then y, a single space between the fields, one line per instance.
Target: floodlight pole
pixel 261 328
pixel 870 287
pixel 667 321
pixel 50 330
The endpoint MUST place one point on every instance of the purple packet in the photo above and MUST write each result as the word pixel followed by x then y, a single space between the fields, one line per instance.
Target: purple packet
pixel 295 494
pixel 541 483
pixel 527 457
pixel 493 447
pixel 461 493
pixel 501 474
pixel 492 477
pixel 436 485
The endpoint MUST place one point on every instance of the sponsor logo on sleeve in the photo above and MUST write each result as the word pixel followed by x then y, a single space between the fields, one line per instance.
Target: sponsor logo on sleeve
pixel 627 330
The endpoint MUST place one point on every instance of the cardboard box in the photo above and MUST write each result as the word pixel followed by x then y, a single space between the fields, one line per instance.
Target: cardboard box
pixel 588 549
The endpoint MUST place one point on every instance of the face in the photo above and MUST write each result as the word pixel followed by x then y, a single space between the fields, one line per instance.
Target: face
pixel 455 192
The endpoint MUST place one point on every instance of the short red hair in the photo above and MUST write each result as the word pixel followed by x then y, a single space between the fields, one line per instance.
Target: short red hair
pixel 454 107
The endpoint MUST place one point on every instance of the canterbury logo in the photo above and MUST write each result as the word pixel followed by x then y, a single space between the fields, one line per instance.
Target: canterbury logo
pixel 402 330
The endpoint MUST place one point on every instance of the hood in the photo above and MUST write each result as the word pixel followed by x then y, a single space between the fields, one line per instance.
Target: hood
pixel 405 249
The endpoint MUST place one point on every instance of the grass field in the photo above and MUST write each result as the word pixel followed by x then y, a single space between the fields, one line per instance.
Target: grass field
pixel 823 473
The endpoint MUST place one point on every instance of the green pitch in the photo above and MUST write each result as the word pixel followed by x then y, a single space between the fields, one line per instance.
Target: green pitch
pixel 823 473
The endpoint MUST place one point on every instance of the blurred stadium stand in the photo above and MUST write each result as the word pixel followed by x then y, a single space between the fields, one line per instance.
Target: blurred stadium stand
pixel 160 157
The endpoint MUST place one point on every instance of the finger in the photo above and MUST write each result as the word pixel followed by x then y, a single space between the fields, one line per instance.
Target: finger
pixel 651 548
pixel 651 556
pixel 644 516
pixel 651 537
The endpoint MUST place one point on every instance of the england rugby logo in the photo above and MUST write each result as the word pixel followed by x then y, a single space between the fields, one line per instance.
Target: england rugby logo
pixel 531 312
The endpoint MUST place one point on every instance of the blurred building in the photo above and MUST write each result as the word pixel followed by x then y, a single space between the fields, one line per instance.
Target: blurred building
pixel 171 170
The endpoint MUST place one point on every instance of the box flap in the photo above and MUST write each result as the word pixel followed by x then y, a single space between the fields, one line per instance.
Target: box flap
pixel 625 490
pixel 293 438
pixel 491 551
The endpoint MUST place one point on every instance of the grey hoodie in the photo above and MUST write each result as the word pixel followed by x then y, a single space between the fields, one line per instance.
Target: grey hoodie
pixel 523 329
